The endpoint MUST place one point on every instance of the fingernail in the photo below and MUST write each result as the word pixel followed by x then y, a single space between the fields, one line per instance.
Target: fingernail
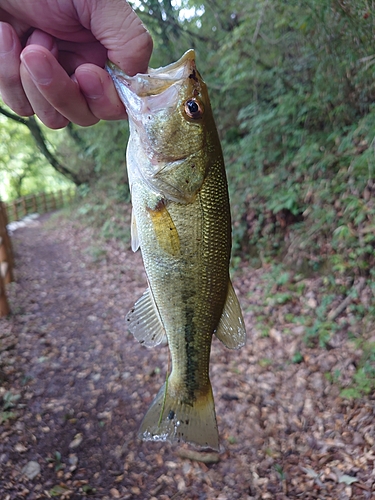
pixel 6 38
pixel 91 85
pixel 38 66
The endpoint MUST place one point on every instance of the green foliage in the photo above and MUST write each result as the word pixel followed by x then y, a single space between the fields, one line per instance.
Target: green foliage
pixel 297 358
pixel 292 94
pixel 8 404
pixel 322 328
pixel 106 208
pixel 102 146
pixel 23 169
pixel 105 196
pixel 56 460
pixel 363 382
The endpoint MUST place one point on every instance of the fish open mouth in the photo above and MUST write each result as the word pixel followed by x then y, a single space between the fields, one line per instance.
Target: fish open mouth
pixel 155 90
pixel 155 81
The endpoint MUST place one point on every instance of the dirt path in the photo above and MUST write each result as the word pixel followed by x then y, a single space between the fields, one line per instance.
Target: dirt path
pixel 74 386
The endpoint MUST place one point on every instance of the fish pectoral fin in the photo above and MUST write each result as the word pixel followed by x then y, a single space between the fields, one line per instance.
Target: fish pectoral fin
pixel 165 230
pixel 134 233
pixel 144 321
pixel 231 329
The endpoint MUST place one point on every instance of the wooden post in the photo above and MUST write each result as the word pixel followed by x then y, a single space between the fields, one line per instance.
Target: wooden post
pixel 15 211
pixel 53 201
pixel 4 305
pixel 35 207
pixel 61 198
pixel 23 203
pixel 44 200
pixel 6 250
pixel 5 267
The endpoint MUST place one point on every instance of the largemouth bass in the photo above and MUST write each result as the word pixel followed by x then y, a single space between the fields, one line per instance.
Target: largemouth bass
pixel 181 221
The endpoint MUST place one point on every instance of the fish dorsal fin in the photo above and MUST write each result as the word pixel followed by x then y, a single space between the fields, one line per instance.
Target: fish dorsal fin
pixel 144 321
pixel 134 233
pixel 231 328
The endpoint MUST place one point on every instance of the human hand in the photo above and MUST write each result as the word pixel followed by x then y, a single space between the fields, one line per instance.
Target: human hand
pixel 53 52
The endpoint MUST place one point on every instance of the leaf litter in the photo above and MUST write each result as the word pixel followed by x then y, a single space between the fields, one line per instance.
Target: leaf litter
pixel 84 385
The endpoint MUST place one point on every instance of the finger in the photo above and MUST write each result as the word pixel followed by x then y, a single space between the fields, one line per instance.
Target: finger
pixel 47 41
pixel 51 92
pixel 43 39
pixel 100 93
pixel 120 30
pixel 10 82
pixel 72 55
pixel 42 108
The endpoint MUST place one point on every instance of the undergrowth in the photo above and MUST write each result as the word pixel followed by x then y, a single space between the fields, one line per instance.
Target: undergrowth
pixel 316 209
pixel 106 207
pixel 290 302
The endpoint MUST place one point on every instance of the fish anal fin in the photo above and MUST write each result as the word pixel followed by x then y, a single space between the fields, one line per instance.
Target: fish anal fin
pixel 144 321
pixel 165 230
pixel 231 329
pixel 173 420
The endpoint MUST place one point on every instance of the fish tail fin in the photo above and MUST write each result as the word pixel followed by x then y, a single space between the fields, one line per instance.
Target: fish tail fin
pixel 170 419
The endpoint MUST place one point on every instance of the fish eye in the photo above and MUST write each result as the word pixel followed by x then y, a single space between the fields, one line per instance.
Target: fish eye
pixel 193 109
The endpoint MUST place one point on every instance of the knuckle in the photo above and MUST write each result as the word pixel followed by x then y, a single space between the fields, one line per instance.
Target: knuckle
pixel 52 119
pixel 87 122
pixel 9 80
pixel 19 104
pixel 107 110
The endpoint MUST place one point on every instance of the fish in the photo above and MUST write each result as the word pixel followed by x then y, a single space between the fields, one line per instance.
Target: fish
pixel 181 222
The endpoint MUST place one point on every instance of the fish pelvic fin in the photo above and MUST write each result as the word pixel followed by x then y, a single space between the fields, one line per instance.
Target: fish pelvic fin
pixel 231 329
pixel 171 419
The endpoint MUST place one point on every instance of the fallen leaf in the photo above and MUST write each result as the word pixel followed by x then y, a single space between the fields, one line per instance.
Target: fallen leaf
pixel 20 448
pixel 31 469
pixel 347 479
pixel 314 475
pixel 76 441
pixel 59 490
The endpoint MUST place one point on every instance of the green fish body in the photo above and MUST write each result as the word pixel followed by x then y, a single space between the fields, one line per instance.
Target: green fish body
pixel 181 221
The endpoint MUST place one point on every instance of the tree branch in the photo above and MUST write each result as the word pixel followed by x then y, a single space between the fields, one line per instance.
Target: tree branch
pixel 259 23
pixel 41 144
pixel 13 116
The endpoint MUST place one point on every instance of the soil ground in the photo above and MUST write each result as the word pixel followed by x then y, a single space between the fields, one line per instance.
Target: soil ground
pixel 74 386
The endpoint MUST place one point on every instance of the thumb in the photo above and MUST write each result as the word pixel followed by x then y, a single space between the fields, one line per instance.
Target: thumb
pixel 118 28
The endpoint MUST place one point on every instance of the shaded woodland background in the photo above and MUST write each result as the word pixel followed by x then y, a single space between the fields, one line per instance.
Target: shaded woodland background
pixel 292 88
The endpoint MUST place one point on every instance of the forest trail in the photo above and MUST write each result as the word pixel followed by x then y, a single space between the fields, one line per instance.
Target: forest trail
pixel 74 386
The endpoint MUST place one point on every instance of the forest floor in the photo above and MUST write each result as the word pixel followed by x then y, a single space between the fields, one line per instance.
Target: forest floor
pixel 74 386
